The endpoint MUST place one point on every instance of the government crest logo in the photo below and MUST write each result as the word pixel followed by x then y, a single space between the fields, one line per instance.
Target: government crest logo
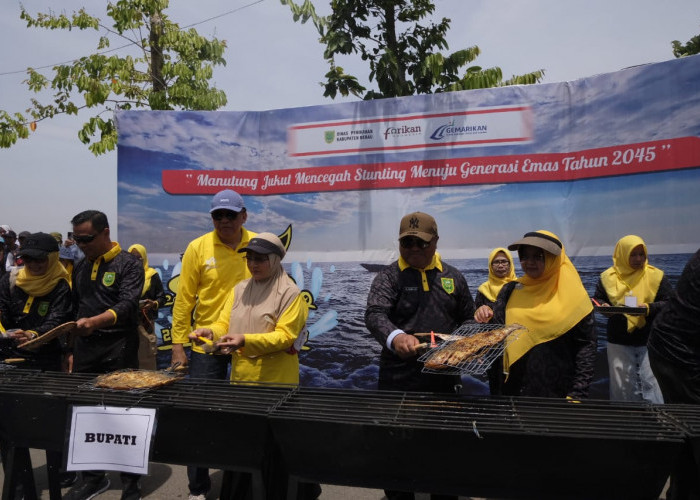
pixel 109 278
pixel 329 136
pixel 448 284
pixel 43 308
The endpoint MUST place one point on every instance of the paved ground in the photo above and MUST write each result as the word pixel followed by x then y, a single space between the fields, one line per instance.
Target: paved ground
pixel 168 482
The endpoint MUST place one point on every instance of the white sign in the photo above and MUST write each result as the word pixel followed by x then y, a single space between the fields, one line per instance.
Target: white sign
pixel 484 126
pixel 110 438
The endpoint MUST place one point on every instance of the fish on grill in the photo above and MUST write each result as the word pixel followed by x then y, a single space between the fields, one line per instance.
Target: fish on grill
pixel 466 348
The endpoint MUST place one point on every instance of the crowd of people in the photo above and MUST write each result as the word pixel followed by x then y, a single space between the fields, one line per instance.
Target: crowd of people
pixel 245 318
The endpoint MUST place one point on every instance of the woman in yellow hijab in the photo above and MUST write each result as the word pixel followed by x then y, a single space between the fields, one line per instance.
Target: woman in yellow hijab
pixel 556 356
pixel 631 277
pixel 501 271
pixel 33 300
pixel 152 298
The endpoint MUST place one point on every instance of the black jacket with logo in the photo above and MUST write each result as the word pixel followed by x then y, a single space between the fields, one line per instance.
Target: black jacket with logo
pixel 44 314
pixel 108 284
pixel 397 300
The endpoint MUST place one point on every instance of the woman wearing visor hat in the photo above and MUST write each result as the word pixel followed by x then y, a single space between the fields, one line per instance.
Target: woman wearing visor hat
pixel 556 356
pixel 263 326
pixel 261 319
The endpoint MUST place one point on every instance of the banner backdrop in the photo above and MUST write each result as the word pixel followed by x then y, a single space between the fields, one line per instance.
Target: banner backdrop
pixel 591 160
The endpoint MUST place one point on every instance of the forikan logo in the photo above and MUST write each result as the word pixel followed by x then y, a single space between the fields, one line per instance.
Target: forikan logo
pixel 449 129
pixel 402 130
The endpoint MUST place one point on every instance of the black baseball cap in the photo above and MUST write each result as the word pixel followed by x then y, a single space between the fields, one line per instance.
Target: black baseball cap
pixel 38 246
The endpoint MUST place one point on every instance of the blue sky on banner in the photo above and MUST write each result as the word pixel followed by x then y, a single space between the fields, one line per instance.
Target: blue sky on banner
pixel 632 106
pixel 53 176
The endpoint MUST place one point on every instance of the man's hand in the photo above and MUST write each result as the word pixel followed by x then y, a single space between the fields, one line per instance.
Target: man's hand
pixel 178 355
pixel 148 304
pixel 84 327
pixel 22 336
pixel 405 345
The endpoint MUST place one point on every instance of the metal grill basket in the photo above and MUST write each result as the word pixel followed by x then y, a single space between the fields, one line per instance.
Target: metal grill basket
pixel 479 362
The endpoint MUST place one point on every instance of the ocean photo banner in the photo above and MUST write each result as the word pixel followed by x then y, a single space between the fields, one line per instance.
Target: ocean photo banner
pixel 591 160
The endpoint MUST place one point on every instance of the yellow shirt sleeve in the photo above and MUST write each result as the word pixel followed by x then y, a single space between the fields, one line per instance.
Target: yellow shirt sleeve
pixel 288 327
pixel 185 298
pixel 220 328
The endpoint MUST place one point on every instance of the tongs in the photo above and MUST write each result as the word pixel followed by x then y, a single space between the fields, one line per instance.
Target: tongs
pixel 430 343
pixel 176 368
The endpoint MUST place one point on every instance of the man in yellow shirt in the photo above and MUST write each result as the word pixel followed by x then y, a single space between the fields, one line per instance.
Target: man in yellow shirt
pixel 211 267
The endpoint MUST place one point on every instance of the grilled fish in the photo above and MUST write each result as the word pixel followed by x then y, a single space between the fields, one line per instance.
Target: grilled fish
pixel 465 348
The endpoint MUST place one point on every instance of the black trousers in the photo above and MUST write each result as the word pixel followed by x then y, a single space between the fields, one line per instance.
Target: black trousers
pixel 680 385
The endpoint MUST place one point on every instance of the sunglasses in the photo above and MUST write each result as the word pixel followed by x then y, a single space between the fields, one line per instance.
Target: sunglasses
pixel 84 238
pixel 412 241
pixel 217 215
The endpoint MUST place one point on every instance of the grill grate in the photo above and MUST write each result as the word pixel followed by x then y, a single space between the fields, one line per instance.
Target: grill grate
pixel 478 363
pixel 478 414
pixel 197 394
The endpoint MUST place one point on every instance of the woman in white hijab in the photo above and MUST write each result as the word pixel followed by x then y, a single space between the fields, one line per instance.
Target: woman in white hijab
pixel 262 319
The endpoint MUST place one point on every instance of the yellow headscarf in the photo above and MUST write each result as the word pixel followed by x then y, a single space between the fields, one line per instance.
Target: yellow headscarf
pixel 149 271
pixel 548 306
pixel 490 288
pixel 621 279
pixel 38 286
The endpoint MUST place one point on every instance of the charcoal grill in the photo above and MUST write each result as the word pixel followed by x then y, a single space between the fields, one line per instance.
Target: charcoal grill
pixel 36 414
pixel 492 447
pixel 473 446
pixel 688 418
pixel 480 362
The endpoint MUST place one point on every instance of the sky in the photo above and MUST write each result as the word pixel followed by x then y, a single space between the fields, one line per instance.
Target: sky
pixel 274 63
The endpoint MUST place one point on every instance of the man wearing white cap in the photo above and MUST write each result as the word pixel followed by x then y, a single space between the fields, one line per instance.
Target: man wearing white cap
pixel 211 267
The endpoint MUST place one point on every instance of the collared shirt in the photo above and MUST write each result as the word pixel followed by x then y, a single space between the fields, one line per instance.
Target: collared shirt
pixel 210 270
pixel 405 299
pixel 113 282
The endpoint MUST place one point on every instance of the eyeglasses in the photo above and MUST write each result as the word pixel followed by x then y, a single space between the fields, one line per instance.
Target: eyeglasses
pixel 500 263
pixel 257 258
pixel 84 238
pixel 217 215
pixel 412 241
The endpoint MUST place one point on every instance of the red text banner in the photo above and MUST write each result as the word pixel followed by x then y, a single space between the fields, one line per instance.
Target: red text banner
pixel 627 159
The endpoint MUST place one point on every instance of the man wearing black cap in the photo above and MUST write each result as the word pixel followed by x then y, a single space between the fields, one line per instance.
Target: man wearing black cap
pixel 416 294
pixel 107 286
pixel 211 267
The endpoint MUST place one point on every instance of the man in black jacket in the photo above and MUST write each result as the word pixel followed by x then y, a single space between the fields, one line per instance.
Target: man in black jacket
pixel 418 293
pixel 107 285
pixel 674 356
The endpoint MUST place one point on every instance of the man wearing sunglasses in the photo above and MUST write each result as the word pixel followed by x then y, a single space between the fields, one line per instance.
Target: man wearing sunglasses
pixel 211 267
pixel 418 293
pixel 107 286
